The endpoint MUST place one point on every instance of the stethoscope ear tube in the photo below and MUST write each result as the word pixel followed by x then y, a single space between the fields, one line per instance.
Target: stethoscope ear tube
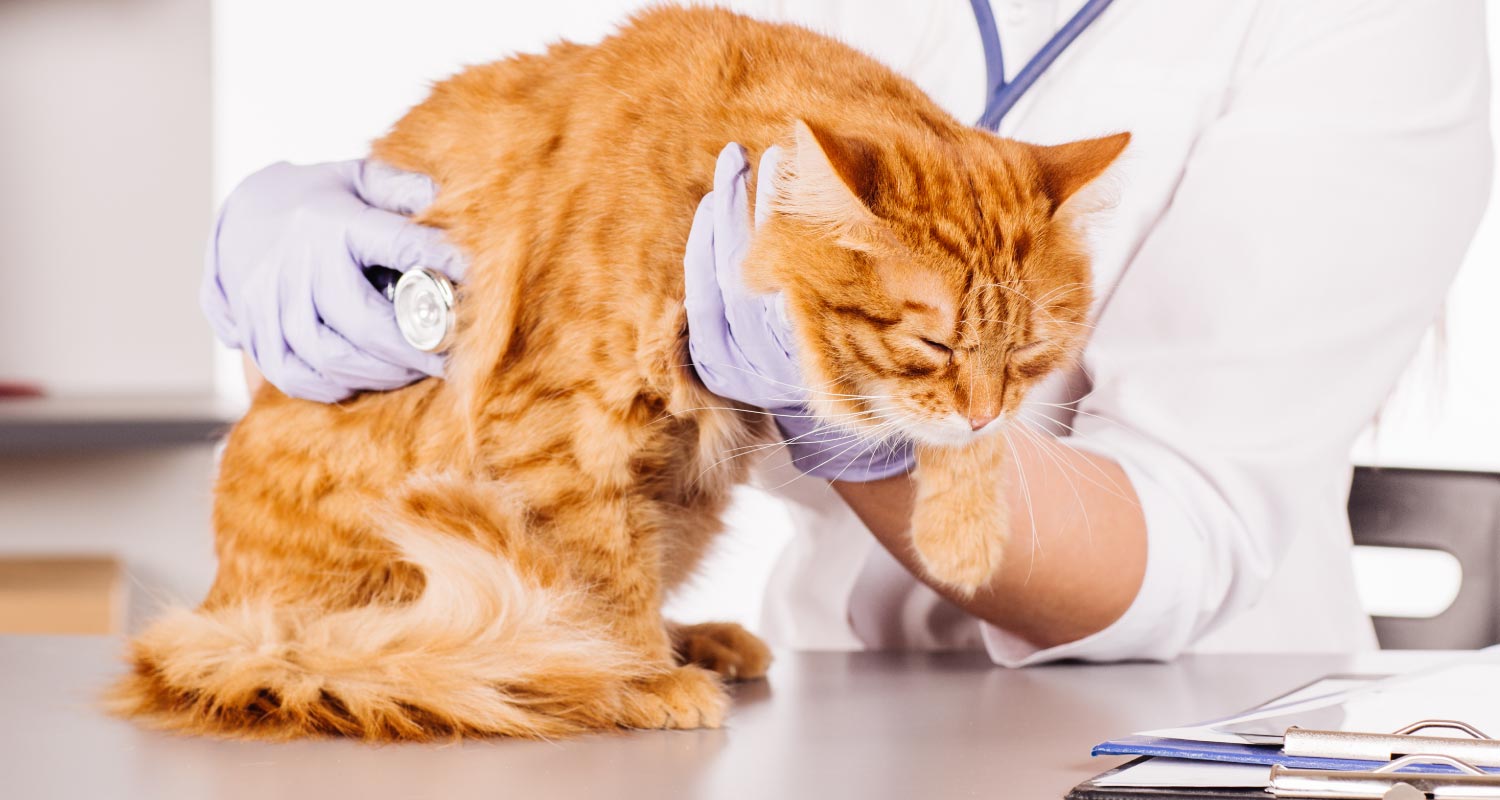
pixel 384 280
pixel 1004 95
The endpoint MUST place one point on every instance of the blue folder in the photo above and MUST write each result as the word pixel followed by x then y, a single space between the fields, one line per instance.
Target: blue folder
pixel 1266 754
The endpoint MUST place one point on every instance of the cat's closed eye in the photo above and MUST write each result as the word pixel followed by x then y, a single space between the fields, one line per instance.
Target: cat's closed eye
pixel 1029 348
pixel 937 348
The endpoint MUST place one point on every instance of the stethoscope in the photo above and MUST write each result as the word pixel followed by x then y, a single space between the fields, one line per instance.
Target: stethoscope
pixel 423 301
pixel 1001 95
pixel 423 298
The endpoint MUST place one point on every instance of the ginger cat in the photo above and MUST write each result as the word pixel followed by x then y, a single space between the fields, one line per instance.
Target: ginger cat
pixel 487 555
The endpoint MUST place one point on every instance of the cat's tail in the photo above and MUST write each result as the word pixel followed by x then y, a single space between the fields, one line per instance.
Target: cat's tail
pixel 483 651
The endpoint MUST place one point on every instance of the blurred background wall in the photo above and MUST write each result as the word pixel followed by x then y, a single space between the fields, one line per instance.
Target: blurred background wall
pixel 106 190
pixel 105 142
pixel 124 122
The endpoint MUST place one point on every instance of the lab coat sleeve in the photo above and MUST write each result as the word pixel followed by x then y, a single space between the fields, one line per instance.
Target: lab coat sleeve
pixel 1264 319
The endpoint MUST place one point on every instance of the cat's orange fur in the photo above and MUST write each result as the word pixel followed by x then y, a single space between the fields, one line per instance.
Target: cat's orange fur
pixel 487 555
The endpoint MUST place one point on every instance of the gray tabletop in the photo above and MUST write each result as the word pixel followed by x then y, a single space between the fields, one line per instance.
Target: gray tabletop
pixel 866 725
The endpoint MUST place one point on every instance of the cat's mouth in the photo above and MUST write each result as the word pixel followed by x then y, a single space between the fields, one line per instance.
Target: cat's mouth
pixel 942 430
pixel 952 430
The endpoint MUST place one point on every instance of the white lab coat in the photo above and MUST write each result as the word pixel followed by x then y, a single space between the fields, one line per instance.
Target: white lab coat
pixel 1303 180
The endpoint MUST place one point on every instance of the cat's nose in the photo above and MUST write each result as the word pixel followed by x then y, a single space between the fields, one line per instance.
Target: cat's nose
pixel 977 421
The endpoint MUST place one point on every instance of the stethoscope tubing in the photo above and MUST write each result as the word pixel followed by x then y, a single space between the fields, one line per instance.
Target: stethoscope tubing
pixel 1002 95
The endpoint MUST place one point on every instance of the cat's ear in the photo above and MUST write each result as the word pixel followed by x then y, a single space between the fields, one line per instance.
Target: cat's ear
pixel 1063 169
pixel 827 180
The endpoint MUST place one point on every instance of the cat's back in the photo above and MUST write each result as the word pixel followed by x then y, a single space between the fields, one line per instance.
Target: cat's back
pixel 663 93
pixel 713 72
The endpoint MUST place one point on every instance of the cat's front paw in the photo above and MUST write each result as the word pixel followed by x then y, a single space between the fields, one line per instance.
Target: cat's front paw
pixel 724 647
pixel 960 524
pixel 961 555
pixel 681 698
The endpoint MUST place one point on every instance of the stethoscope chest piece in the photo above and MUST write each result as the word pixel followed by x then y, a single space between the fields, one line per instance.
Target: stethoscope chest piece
pixel 424 309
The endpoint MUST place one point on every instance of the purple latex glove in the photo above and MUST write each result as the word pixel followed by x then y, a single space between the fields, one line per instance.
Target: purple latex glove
pixel 741 343
pixel 284 276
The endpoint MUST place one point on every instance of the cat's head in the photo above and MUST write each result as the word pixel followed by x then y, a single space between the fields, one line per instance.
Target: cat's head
pixel 931 282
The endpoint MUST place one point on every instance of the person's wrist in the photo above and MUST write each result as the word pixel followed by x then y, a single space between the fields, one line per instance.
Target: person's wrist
pixel 834 452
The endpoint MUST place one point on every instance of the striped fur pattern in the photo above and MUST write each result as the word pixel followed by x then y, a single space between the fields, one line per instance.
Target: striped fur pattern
pixel 487 555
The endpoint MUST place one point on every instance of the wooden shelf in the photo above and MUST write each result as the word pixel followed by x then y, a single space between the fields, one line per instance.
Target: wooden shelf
pixel 93 422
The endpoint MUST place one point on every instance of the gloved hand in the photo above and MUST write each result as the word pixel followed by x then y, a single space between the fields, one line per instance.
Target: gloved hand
pixel 741 343
pixel 284 276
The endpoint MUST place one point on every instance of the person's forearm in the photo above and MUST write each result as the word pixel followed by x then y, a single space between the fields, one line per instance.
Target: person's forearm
pixel 1077 551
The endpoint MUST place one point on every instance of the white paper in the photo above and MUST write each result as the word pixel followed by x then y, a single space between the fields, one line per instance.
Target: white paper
pixel 1468 693
pixel 1182 773
pixel 1327 689
pixel 1466 689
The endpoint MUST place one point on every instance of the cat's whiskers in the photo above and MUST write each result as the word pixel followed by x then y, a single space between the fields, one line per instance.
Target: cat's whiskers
pixel 869 447
pixel 761 412
pixel 844 430
pixel 1039 306
pixel 859 441
pixel 1089 414
pixel 877 432
pixel 1113 488
pixel 1030 510
pixel 1040 442
pixel 1050 320
pixel 792 386
pixel 1004 322
pixel 1003 285
pixel 1066 287
pixel 854 439
pixel 1068 404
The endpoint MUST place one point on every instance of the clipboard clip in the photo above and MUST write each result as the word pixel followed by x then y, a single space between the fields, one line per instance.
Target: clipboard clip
pixel 1387 782
pixel 1476 749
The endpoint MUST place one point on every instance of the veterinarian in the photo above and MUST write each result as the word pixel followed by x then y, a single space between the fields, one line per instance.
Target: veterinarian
pixel 1304 178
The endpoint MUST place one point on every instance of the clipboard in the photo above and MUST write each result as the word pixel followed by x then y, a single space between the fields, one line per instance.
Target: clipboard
pixel 1303 748
pixel 1098 788
pixel 1403 765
